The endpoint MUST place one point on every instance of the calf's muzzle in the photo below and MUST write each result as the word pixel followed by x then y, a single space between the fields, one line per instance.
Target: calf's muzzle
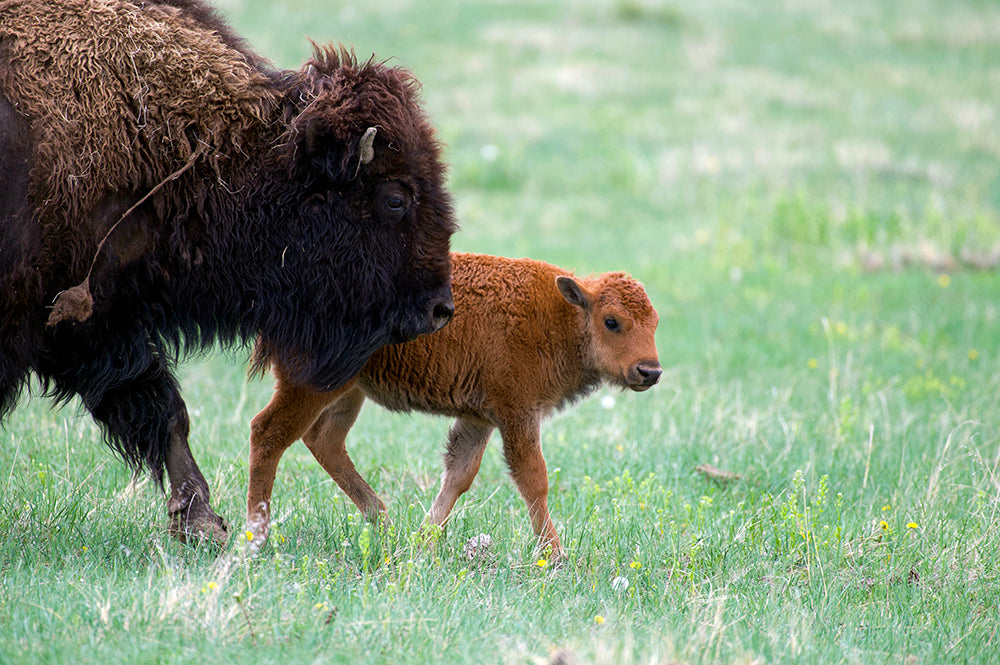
pixel 644 375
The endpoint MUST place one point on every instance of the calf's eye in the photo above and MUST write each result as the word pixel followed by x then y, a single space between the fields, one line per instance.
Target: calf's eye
pixel 611 323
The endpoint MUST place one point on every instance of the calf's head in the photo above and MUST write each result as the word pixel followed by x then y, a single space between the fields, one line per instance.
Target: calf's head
pixel 621 325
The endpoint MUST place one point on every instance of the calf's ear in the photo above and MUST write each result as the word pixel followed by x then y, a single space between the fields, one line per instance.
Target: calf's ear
pixel 573 292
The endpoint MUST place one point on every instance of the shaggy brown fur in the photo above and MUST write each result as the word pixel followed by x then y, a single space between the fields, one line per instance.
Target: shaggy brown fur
pixel 303 208
pixel 171 75
pixel 526 339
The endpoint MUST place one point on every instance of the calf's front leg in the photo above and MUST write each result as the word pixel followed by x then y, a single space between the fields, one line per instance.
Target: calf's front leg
pixel 522 449
pixel 466 444
pixel 287 417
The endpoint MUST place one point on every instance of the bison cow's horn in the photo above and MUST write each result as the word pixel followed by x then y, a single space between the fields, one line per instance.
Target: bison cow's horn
pixel 367 145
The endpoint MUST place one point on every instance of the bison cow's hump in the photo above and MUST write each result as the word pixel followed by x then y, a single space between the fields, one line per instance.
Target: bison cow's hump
pixel 119 96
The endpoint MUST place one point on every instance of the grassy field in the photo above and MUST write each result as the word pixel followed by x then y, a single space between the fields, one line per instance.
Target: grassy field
pixel 810 192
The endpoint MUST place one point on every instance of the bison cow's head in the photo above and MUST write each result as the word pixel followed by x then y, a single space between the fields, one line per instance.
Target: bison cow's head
pixel 371 215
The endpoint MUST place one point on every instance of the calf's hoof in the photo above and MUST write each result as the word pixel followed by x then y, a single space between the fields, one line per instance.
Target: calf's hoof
pixel 257 528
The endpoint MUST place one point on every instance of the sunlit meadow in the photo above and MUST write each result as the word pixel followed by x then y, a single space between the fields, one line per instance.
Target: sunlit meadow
pixel 810 192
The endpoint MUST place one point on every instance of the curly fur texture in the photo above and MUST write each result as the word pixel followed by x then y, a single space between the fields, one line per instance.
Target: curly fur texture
pixel 277 232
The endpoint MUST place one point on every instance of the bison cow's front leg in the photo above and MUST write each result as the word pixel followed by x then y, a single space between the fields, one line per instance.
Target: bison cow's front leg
pixel 145 419
pixel 191 516
pixel 148 413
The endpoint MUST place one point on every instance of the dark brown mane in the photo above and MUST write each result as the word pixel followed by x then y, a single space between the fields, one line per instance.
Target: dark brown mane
pixel 328 58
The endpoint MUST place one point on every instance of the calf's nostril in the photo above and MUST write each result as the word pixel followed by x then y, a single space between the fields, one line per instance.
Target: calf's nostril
pixel 650 375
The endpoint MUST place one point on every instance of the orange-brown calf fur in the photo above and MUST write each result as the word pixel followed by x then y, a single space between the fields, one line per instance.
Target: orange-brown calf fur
pixel 526 339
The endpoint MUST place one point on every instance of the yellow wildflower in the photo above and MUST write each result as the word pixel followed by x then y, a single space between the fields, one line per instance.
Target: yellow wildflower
pixel 249 535
pixel 944 280
pixel 598 619
pixel 884 525
pixel 541 563
pixel 635 565
pixel 973 354
pixel 912 525
pixel 813 363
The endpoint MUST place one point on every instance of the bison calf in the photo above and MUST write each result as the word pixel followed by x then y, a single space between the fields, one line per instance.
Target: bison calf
pixel 527 338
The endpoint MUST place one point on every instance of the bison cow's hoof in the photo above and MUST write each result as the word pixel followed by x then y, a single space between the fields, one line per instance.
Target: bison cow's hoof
pixel 193 526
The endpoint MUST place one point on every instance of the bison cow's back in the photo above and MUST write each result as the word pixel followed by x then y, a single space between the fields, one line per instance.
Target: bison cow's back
pixel 119 96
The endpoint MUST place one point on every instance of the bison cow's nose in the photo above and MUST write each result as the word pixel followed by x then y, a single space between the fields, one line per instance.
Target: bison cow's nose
pixel 442 313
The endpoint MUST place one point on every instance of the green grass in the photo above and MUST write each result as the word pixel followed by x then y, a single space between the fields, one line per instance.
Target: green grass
pixel 742 160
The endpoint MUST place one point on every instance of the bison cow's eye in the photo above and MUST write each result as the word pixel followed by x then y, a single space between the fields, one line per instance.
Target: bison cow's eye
pixel 395 202
pixel 393 198
pixel 611 323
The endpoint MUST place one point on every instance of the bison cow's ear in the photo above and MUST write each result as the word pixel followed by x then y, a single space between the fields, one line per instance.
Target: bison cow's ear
pixel 322 152
pixel 366 146
pixel 327 153
pixel 573 292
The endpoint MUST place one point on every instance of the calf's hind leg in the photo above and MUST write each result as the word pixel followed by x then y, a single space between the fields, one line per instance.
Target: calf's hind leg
pixel 327 440
pixel 466 444
pixel 287 417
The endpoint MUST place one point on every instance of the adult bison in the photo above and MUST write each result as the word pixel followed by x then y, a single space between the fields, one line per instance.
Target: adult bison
pixel 201 196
